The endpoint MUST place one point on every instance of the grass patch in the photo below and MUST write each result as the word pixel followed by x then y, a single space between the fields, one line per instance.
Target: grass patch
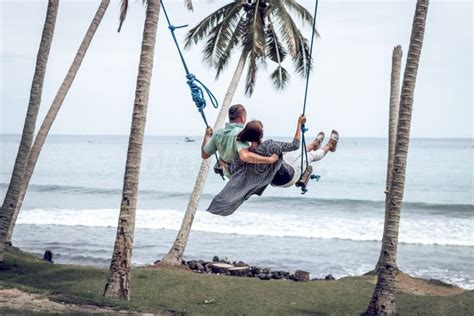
pixel 198 294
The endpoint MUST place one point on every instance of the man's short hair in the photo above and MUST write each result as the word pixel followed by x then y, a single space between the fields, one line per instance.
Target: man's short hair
pixel 236 111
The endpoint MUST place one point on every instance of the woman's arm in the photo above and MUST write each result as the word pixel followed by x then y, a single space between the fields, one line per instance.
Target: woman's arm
pixel 249 157
pixel 295 144
pixel 301 122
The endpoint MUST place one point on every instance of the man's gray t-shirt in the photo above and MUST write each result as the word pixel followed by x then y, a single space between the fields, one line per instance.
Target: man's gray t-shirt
pixel 248 179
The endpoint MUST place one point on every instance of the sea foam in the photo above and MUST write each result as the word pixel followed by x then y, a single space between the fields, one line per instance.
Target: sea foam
pixel 414 229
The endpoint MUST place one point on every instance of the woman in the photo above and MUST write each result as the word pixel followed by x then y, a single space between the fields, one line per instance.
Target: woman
pixel 248 179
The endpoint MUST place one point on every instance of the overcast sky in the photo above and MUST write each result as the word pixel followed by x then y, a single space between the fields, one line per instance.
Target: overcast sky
pixel 349 88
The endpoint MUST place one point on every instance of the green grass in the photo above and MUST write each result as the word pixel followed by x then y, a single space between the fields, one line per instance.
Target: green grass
pixel 181 291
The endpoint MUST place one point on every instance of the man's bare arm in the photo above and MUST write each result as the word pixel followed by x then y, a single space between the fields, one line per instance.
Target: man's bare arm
pixel 249 157
pixel 207 137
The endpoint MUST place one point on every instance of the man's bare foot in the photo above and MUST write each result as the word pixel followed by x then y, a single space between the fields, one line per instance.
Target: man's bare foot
pixel 316 143
pixel 333 140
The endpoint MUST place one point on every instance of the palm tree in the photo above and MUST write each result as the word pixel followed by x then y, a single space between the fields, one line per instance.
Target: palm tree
pixel 392 131
pixel 261 30
pixel 7 211
pixel 118 281
pixel 54 109
pixel 383 298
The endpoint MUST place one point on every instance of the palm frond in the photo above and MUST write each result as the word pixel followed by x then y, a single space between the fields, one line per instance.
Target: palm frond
pixel 303 61
pixel 234 39
pixel 275 50
pixel 287 27
pixel 208 51
pixel 220 37
pixel 280 78
pixel 301 11
pixel 251 74
pixel 226 32
pixel 123 13
pixel 206 26
pixel 254 37
pixel 254 44
pixel 277 53
pixel 305 15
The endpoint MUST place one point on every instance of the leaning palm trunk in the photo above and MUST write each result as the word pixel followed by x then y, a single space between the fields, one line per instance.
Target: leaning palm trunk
pixel 11 197
pixel 118 281
pixel 175 254
pixel 392 132
pixel 383 299
pixel 55 107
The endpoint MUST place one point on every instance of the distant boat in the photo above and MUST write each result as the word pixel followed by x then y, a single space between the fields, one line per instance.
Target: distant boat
pixel 189 139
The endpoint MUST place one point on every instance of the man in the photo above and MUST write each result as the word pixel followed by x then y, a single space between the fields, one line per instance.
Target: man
pixel 225 142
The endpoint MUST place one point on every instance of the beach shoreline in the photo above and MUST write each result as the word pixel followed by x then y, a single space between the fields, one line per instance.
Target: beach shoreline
pixel 160 291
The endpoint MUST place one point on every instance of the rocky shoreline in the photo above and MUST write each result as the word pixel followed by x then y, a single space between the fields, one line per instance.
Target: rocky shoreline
pixel 242 269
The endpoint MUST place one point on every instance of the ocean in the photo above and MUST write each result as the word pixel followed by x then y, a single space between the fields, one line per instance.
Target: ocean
pixel 73 201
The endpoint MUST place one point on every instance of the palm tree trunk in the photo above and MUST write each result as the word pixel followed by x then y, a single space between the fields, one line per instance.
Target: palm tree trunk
pixel 392 132
pixel 118 281
pixel 8 207
pixel 175 254
pixel 383 299
pixel 55 107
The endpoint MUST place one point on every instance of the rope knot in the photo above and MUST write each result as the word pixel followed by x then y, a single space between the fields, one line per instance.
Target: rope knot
pixel 196 92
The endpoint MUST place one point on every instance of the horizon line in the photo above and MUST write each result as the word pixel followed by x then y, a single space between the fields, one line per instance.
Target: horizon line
pixel 184 135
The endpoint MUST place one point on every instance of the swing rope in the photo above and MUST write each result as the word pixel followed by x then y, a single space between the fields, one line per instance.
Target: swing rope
pixel 304 129
pixel 195 85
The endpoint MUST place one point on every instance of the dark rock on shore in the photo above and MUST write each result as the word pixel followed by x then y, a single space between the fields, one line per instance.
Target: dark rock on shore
pixel 329 277
pixel 48 256
pixel 242 269
pixel 196 265
pixel 241 264
pixel 279 275
pixel 264 276
pixel 301 276
pixel 254 271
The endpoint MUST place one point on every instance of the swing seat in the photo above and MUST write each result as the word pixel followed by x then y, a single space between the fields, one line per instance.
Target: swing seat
pixel 304 180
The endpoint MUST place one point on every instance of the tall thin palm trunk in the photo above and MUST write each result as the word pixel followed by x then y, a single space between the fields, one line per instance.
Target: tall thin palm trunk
pixel 55 107
pixel 118 281
pixel 383 299
pixel 8 208
pixel 175 254
pixel 392 133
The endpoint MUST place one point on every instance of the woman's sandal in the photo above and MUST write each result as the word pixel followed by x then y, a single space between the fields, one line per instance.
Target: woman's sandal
pixel 319 138
pixel 335 139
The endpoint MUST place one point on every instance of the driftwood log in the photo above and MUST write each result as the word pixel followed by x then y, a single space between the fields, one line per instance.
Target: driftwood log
pixel 221 268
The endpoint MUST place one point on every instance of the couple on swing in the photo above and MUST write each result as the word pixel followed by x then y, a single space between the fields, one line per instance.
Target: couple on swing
pixel 252 164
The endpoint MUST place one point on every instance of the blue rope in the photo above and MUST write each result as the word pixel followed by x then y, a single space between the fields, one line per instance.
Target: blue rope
pixel 198 89
pixel 304 151
pixel 195 85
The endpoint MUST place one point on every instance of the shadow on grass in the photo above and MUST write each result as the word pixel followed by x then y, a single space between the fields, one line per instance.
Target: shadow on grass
pixel 63 283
